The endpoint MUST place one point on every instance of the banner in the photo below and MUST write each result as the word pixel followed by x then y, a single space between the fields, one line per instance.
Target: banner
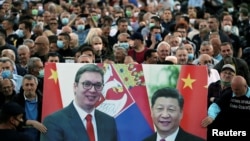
pixel 127 92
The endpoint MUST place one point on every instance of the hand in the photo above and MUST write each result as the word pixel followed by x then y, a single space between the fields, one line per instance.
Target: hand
pixel 153 40
pixel 39 126
pixel 212 99
pixel 206 121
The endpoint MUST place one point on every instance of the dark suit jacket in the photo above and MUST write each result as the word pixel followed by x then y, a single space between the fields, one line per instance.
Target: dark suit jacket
pixel 241 68
pixel 181 136
pixel 66 125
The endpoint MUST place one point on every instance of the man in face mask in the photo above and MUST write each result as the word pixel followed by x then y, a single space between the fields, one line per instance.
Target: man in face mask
pixel 7 72
pixel 223 84
pixel 123 40
pixel 229 29
pixel 11 119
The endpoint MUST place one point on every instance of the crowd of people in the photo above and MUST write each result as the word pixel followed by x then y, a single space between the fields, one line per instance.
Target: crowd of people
pixel 214 33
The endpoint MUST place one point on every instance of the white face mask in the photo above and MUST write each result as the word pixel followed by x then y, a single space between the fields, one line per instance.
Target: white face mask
pixel 178 7
pixel 173 49
pixel 240 18
pixel 227 28
pixel 97 47
pixel 136 14
pixel 230 10
pixel 191 21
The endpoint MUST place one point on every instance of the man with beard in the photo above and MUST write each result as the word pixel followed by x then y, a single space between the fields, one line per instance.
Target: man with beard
pixel 239 64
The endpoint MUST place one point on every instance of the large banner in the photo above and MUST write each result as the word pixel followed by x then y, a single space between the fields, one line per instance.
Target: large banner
pixel 127 92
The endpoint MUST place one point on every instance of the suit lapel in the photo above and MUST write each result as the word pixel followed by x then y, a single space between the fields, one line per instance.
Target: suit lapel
pixel 77 127
pixel 100 125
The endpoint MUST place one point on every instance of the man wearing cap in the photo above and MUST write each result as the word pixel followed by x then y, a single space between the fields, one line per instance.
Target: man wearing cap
pixel 231 111
pixel 138 50
pixel 11 118
pixel 216 89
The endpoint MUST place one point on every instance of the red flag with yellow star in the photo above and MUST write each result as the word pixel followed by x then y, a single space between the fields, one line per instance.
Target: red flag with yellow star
pixel 192 84
pixel 52 100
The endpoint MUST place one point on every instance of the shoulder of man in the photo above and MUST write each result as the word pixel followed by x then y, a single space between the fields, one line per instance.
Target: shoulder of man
pixel 184 135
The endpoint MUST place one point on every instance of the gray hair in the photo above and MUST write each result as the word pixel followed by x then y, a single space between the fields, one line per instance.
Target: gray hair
pixel 32 61
pixel 25 47
pixel 30 77
pixel 162 43
pixel 28 41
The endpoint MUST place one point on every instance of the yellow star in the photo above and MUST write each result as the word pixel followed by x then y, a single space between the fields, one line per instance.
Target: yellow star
pixel 53 75
pixel 188 82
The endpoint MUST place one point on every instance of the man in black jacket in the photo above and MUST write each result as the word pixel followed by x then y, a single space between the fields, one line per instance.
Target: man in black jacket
pixel 239 64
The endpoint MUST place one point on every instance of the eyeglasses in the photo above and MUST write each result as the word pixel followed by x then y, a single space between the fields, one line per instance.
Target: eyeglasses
pixel 88 85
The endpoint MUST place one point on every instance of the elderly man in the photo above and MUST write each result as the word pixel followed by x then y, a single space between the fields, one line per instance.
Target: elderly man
pixel 163 50
pixel 213 75
pixel 23 52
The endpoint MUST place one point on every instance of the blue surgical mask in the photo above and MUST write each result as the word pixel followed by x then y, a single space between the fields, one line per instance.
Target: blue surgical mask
pixel 210 66
pixel 59 44
pixel 65 21
pixel 6 74
pixel 124 45
pixel 190 56
pixel 158 37
pixel 20 33
pixel 41 73
pixel 80 27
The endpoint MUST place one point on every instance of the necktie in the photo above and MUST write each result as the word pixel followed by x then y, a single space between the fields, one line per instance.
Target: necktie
pixel 162 140
pixel 90 128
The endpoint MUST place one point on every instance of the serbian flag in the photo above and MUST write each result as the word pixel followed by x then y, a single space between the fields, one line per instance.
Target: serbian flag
pixel 192 84
pixel 124 96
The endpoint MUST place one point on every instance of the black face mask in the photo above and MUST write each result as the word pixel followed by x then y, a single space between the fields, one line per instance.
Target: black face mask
pixel 20 125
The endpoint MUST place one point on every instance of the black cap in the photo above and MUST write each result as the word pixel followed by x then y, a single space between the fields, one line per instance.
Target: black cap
pixel 137 35
pixel 12 109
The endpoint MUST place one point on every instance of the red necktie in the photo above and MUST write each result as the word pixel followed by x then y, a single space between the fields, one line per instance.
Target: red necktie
pixel 90 128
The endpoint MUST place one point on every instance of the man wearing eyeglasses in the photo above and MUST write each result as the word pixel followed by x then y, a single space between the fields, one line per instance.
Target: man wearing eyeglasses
pixel 71 123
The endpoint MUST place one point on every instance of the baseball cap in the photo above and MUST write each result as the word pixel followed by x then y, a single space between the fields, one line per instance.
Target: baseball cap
pixel 137 35
pixel 12 109
pixel 228 67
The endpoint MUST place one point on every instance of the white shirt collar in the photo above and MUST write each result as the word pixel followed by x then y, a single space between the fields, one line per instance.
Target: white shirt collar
pixel 26 99
pixel 170 137
pixel 82 113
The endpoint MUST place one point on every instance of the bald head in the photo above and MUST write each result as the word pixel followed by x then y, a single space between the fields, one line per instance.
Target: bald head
pixel 42 39
pixel 205 59
pixel 239 86
pixel 42 45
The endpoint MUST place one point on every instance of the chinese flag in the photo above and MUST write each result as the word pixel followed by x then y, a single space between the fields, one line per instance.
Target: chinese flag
pixel 52 100
pixel 192 84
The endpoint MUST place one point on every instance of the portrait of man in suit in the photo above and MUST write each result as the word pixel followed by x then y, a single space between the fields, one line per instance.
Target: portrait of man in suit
pixel 80 120
pixel 167 112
